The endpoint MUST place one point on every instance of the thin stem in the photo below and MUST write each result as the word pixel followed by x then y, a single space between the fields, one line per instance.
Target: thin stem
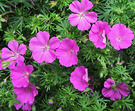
pixel 12 5
pixel 95 5
pixel 7 13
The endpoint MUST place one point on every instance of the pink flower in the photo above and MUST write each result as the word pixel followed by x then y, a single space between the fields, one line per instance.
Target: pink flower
pixel 25 106
pixel 97 33
pixel 43 48
pixel 20 74
pixel 83 18
pixel 26 94
pixel 79 78
pixel 66 52
pixel 114 92
pixel 120 36
pixel 13 55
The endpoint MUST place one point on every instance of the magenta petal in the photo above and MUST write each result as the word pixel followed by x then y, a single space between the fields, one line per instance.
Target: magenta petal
pixel 75 6
pixel 108 83
pixel 115 45
pixel 122 87
pixel 6 53
pixel 29 68
pixel 20 58
pixel 74 19
pixel 107 92
pixel 35 45
pixel 69 61
pixel 65 45
pixel 18 106
pixel 86 5
pixel 13 45
pixel 83 24
pixel 18 90
pixel 54 43
pixel 12 64
pixel 93 37
pixel 49 56
pixel 79 84
pixel 115 95
pixel 37 56
pixel 125 44
pixel 78 72
pixel 100 43
pixel 91 17
pixel 26 107
pixel 43 37
pixel 22 49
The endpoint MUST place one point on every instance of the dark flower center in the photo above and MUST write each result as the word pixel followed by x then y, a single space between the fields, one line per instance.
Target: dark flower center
pixel 29 88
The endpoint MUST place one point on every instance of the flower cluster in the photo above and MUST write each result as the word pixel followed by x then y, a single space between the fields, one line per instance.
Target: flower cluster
pixel 119 36
pixel 44 49
pixel 19 73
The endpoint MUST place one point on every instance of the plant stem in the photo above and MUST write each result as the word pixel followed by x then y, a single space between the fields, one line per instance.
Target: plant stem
pixel 7 13
pixel 12 5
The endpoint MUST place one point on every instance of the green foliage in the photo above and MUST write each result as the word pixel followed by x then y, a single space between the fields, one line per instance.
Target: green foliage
pixel 124 103
pixel 22 19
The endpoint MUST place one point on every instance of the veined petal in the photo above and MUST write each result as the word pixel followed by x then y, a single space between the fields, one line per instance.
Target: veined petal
pixel 86 5
pixel 13 45
pixel 91 17
pixel 83 24
pixel 75 6
pixel 35 45
pixel 6 53
pixel 122 87
pixel 37 56
pixel 107 92
pixel 43 37
pixel 115 95
pixel 69 61
pixel 100 43
pixel 108 83
pixel 49 56
pixel 54 43
pixel 74 19
pixel 22 49
pixel 93 37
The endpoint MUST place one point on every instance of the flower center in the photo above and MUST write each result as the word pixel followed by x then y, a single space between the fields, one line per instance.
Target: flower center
pixel 113 86
pixel 70 52
pixel 25 74
pixel 81 14
pixel 16 54
pixel 119 38
pixel 29 88
pixel 46 48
